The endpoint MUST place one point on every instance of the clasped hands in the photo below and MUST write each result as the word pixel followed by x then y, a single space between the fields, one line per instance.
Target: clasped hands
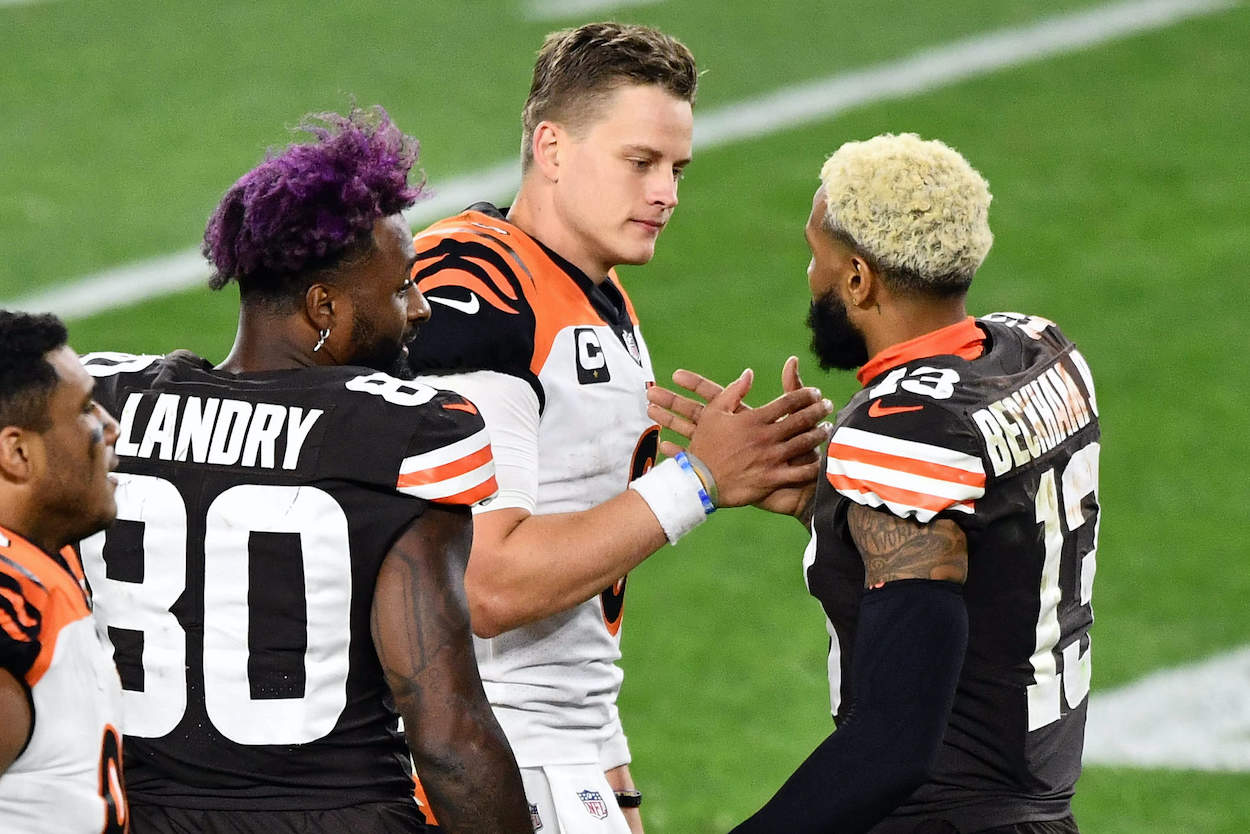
pixel 767 456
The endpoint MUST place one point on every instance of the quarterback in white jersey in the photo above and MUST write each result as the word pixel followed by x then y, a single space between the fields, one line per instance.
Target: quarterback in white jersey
pixel 60 696
pixel 529 317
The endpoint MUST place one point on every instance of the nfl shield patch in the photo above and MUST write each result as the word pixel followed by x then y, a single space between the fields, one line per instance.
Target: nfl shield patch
pixel 594 803
pixel 535 820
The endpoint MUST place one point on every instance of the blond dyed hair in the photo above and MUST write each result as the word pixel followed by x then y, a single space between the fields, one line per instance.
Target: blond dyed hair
pixel 577 69
pixel 913 207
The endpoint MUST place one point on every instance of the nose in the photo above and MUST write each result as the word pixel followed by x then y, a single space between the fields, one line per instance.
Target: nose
pixel 664 188
pixel 418 307
pixel 111 429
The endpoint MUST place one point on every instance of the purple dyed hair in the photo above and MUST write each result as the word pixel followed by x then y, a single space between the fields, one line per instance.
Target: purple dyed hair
pixel 312 205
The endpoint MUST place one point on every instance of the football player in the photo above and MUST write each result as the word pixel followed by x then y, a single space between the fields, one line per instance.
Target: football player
pixel 286 578
pixel 60 698
pixel 532 321
pixel 954 525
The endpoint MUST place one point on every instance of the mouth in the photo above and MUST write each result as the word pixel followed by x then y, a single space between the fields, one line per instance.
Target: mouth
pixel 652 226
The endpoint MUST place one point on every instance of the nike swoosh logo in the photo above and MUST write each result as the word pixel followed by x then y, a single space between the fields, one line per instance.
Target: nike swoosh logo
pixel 465 406
pixel 879 410
pixel 467 307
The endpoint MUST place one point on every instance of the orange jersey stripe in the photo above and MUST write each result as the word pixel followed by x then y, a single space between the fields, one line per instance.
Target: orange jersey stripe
pixel 448 470
pixel 894 495
pixel 472 495
pixel 911 466
pixel 19 607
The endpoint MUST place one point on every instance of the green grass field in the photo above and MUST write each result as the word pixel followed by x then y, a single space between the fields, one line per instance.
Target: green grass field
pixel 1121 177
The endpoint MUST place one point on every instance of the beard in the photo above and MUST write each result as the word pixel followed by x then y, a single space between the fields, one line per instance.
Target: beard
pixel 377 351
pixel 835 341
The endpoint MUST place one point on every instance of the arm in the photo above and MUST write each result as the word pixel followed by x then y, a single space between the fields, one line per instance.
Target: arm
pixel 909 649
pixel 682 415
pixel 420 629
pixel 526 567
pixel 15 719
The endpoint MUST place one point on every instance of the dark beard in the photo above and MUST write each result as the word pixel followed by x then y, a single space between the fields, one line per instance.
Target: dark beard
pixel 835 341
pixel 373 351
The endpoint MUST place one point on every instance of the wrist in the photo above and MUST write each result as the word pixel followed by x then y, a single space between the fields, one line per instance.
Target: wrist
pixel 675 495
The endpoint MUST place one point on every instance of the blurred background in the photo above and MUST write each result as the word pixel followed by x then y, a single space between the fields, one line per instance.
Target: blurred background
pixel 1114 138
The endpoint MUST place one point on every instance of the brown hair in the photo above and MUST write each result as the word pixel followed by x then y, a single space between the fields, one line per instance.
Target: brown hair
pixel 577 68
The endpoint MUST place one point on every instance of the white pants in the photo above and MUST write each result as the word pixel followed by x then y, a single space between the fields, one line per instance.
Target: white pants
pixel 572 799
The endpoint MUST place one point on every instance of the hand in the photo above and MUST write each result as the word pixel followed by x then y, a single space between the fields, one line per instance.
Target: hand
pixel 765 456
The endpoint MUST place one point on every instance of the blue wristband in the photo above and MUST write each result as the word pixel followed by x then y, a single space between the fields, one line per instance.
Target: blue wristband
pixel 708 506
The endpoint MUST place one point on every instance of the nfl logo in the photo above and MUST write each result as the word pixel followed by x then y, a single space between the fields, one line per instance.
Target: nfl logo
pixel 632 345
pixel 594 804
pixel 535 820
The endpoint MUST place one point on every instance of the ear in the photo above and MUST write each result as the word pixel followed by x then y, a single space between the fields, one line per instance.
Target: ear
pixel 549 139
pixel 326 306
pixel 863 283
pixel 15 454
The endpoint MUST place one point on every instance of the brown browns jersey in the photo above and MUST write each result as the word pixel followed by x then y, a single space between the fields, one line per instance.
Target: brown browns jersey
pixel 254 511
pixel 992 423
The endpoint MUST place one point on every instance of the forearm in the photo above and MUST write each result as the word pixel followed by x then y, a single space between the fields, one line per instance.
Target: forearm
pixel 909 651
pixel 469 774
pixel 550 563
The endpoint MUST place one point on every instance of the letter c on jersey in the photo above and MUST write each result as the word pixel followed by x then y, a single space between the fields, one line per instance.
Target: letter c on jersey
pixel 592 366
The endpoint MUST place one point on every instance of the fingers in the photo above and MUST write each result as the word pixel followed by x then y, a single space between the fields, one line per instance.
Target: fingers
pixel 790 379
pixel 791 404
pixel 801 449
pixel 697 384
pixel 670 420
pixel 684 406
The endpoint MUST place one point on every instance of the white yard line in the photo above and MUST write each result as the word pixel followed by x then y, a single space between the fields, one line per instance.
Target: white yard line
pixel 4 3
pixel 780 110
pixel 546 10
pixel 1194 717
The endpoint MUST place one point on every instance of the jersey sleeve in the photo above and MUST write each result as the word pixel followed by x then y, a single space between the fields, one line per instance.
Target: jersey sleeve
pixel 511 412
pixel 907 455
pixel 480 316
pixel 448 459
pixel 22 599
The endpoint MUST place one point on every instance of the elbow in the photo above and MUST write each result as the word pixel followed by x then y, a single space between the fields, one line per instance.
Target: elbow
pixel 488 610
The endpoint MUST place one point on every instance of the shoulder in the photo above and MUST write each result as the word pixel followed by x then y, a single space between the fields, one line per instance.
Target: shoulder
pixel 24 599
pixel 904 444
pixel 441 448
pixel 477 272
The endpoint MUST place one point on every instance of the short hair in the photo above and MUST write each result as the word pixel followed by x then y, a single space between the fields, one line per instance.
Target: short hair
pixel 914 208
pixel 27 379
pixel 311 207
pixel 577 68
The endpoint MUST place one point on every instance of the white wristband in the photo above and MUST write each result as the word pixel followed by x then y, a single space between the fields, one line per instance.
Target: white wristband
pixel 673 494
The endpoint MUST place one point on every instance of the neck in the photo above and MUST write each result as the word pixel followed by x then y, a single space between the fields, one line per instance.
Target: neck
pixel 20 520
pixel 534 213
pixel 905 319
pixel 266 342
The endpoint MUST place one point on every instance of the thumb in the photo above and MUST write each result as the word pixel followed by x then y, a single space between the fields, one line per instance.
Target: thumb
pixel 790 379
pixel 670 449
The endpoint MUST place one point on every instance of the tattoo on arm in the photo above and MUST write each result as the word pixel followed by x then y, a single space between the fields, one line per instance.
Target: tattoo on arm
pixel 896 548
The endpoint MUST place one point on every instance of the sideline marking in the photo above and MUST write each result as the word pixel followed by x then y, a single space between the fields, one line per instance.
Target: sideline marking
pixel 542 10
pixel 1189 717
pixel 771 113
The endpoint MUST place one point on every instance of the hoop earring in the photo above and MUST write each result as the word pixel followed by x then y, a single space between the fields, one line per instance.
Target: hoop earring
pixel 322 336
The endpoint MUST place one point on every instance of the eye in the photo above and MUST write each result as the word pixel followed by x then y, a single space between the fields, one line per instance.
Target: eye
pixel 639 164
pixel 405 287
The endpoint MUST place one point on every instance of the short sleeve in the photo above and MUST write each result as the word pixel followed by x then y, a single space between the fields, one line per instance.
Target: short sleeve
pixel 20 620
pixel 915 459
pixel 510 410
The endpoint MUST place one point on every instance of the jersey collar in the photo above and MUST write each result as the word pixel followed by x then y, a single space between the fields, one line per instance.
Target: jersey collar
pixel 963 339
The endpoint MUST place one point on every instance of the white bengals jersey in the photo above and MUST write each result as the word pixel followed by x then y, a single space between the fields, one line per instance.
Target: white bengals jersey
pixel 549 355
pixel 68 779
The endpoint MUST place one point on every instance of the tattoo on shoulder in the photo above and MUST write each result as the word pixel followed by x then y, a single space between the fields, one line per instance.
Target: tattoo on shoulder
pixel 896 548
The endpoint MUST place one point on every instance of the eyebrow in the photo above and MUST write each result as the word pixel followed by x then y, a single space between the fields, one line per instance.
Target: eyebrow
pixel 653 153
